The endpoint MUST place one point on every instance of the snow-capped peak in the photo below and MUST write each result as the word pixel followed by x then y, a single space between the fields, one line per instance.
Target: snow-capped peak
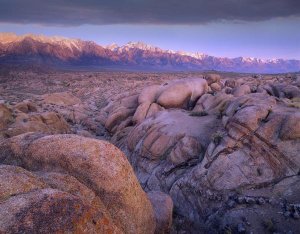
pixel 146 47
pixel 6 38
pixel 112 46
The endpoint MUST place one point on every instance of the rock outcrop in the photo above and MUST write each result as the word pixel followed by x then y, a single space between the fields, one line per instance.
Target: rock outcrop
pixel 5 116
pixel 55 113
pixel 67 183
pixel 218 153
pixel 163 209
pixel 129 109
pixel 67 105
pixel 24 117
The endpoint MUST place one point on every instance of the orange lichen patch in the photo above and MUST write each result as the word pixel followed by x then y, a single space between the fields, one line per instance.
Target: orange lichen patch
pixel 15 180
pixel 94 221
pixel 52 211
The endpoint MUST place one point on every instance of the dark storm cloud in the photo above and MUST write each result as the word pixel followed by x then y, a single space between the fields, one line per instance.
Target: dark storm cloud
pixel 78 12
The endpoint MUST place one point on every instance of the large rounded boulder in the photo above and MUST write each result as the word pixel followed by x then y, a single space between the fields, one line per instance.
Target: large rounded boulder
pixel 60 169
pixel 182 93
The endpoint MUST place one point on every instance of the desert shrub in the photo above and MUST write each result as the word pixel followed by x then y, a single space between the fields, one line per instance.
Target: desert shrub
pixel 198 113
pixel 227 230
pixel 269 225
pixel 66 83
pixel 257 76
pixel 217 137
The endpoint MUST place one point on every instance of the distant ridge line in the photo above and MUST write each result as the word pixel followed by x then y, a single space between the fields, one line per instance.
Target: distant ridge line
pixel 59 51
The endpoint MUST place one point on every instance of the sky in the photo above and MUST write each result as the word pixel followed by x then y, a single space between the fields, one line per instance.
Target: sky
pixel 226 28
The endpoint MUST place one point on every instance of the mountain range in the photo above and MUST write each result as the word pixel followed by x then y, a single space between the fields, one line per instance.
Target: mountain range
pixel 75 53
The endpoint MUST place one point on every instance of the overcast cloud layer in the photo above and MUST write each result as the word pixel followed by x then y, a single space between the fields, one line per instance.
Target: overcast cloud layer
pixel 99 12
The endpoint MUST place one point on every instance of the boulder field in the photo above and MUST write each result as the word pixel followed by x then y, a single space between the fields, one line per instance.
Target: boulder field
pixel 207 154
pixel 53 181
pixel 226 151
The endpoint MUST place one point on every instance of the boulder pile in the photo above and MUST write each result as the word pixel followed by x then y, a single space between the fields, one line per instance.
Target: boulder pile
pixel 209 154
pixel 219 147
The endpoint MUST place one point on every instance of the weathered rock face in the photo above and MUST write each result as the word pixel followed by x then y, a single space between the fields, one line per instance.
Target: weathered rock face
pixel 81 185
pixel 212 78
pixel 26 107
pixel 221 161
pixel 163 209
pixel 231 83
pixel 55 113
pixel 241 90
pixel 181 94
pixel 24 117
pixel 48 122
pixel 128 109
pixel 5 116
pixel 67 105
pixel 249 154
pixel 118 113
pixel 212 104
pixel 164 144
pixel 63 99
pixel 29 204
